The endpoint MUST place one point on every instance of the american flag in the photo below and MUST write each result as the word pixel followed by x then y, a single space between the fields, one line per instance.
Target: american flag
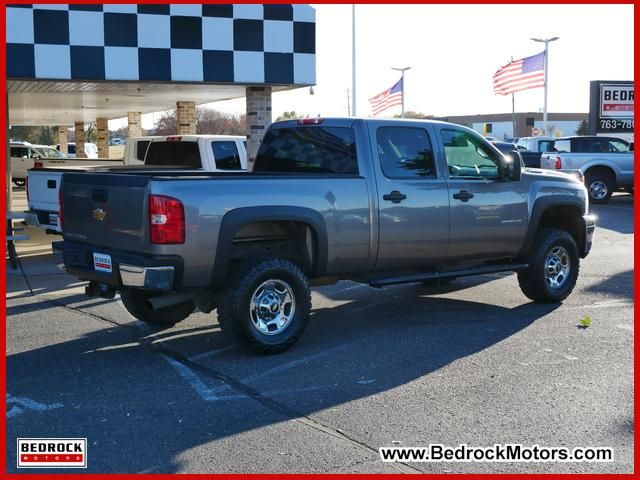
pixel 520 75
pixel 390 97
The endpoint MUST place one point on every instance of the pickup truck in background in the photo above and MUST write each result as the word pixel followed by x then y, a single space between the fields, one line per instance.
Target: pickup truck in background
pixel 206 153
pixel 605 162
pixel 376 201
pixel 532 148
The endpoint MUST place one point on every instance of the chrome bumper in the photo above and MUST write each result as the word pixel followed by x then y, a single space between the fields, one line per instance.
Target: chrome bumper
pixel 155 278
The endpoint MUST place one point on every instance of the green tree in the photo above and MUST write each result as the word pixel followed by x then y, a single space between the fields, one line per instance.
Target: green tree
pixel 412 114
pixel 583 128
pixel 292 115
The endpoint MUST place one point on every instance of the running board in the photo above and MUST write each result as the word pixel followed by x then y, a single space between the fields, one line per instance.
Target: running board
pixel 420 277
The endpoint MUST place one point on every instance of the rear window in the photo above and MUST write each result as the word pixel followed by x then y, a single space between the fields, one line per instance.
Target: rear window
pixel 315 149
pixel 173 154
pixel 141 149
pixel 71 149
pixel 226 155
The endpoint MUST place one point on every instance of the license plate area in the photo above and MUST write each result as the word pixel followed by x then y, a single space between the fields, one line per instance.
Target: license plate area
pixel 102 263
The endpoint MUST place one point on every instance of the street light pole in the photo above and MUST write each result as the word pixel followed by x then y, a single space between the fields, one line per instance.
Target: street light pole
pixel 402 70
pixel 353 59
pixel 546 42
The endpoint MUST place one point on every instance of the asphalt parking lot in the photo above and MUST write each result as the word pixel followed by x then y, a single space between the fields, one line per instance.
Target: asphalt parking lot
pixel 474 362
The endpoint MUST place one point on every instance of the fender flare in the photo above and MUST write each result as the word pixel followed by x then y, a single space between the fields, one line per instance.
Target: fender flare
pixel 234 220
pixel 540 206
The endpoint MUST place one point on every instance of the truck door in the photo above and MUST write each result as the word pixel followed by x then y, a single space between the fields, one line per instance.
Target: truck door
pixel 488 215
pixel 412 198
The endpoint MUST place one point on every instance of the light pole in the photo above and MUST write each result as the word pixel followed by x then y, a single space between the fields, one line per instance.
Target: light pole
pixel 353 59
pixel 546 42
pixel 402 70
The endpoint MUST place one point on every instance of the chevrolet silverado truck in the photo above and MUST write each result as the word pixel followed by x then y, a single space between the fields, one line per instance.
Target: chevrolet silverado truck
pixel 380 202
pixel 605 162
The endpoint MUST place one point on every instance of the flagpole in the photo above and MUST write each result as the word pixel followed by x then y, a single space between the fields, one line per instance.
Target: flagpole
pixel 353 59
pixel 513 109
pixel 402 70
pixel 546 42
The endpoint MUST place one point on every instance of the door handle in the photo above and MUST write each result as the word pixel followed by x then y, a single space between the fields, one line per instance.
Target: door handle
pixel 463 195
pixel 394 197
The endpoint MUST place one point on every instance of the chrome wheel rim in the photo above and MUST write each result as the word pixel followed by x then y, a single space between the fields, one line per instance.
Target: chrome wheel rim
pixel 272 307
pixel 598 189
pixel 557 266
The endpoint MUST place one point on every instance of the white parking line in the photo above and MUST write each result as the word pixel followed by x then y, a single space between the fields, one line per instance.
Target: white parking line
pixel 27 403
pixel 192 379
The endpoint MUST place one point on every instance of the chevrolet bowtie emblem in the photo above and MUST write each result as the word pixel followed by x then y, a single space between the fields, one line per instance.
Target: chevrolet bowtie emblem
pixel 99 214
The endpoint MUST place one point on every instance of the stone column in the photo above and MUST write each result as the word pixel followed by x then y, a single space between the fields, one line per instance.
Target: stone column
pixel 186 118
pixel 63 139
pixel 80 139
pixel 258 119
pixel 102 137
pixel 134 122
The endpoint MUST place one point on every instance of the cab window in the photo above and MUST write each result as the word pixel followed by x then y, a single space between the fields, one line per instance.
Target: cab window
pixel 468 156
pixel 226 155
pixel 405 152
pixel 618 146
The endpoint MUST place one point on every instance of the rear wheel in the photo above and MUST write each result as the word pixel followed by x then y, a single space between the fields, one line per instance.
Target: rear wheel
pixel 554 264
pixel 600 185
pixel 19 182
pixel 266 305
pixel 137 304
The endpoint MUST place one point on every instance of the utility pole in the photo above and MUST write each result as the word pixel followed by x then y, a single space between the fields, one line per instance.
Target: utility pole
pixel 546 42
pixel 402 70
pixel 353 59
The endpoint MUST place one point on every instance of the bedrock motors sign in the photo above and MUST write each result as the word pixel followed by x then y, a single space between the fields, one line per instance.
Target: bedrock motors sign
pixel 52 453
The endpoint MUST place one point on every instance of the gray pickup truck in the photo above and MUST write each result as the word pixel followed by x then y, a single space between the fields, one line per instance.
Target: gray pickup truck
pixel 376 201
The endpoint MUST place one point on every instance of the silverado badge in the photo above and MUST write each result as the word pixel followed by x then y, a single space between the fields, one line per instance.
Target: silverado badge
pixel 99 214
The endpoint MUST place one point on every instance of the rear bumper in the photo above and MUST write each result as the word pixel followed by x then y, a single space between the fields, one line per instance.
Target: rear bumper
pixel 590 230
pixel 45 219
pixel 148 272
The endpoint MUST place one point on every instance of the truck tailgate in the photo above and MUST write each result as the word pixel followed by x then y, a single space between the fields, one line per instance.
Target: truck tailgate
pixel 43 189
pixel 104 209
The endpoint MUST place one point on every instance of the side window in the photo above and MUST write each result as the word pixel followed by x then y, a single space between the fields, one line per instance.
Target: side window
pixel 71 149
pixel 545 146
pixel 141 149
pixel 226 155
pixel 468 156
pixel 18 152
pixel 524 144
pixel 562 146
pixel 617 146
pixel 585 145
pixel 405 152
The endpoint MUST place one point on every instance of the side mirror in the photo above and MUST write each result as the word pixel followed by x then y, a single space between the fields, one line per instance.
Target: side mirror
pixel 511 166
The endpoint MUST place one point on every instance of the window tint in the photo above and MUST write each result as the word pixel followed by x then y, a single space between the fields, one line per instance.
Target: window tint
pixel 71 149
pixel 468 156
pixel 583 145
pixel 19 152
pixel 405 152
pixel 313 149
pixel 226 155
pixel 173 154
pixel 141 149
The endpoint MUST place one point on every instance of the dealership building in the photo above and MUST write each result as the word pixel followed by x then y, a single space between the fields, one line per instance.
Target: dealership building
pixel 69 65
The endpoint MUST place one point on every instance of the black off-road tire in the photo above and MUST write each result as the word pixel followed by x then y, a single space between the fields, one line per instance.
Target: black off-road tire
pixel 136 303
pixel 604 176
pixel 19 182
pixel 234 307
pixel 532 280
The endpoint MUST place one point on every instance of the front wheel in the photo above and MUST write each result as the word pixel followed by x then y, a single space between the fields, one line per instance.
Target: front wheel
pixel 266 305
pixel 137 304
pixel 554 264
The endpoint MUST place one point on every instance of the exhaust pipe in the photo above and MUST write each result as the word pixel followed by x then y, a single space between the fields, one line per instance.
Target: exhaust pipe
pixel 162 301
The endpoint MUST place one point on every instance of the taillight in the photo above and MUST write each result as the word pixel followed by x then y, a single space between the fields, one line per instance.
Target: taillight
pixel 60 207
pixel 558 163
pixel 38 164
pixel 166 220
pixel 310 121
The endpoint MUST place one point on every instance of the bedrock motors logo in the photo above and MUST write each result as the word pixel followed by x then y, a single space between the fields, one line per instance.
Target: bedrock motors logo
pixel 52 453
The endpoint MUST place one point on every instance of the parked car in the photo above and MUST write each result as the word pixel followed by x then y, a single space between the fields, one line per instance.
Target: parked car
pixel 200 153
pixel 532 148
pixel 606 163
pixel 116 141
pixel 377 201
pixel 24 155
pixel 90 150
